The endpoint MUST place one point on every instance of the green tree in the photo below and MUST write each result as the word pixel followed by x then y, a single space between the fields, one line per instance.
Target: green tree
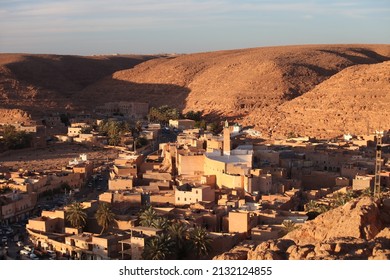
pixel 16 139
pixel 147 217
pixel 200 242
pixel 193 115
pixel 86 130
pixel 314 206
pixel 163 114
pixel 289 226
pixel 65 119
pixel 104 216
pixel 201 124
pixel 160 223
pixel 138 126
pixel 214 127
pixel 179 235
pixel 159 247
pixel 340 199
pixel 311 206
pixel 113 130
pixel 76 215
pixel 140 142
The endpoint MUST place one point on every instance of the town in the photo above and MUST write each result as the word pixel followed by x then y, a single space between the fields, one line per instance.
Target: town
pixel 151 183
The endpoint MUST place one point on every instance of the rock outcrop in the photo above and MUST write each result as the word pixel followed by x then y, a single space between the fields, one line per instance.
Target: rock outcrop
pixel 357 219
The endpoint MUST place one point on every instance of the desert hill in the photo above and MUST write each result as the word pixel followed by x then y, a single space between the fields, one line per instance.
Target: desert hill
pixel 265 87
pixel 37 83
pixel 248 85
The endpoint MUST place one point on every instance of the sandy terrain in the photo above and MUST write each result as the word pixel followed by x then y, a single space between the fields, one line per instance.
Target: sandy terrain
pixel 53 157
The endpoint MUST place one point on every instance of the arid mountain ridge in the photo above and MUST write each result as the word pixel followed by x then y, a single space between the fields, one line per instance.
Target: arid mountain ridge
pixel 315 90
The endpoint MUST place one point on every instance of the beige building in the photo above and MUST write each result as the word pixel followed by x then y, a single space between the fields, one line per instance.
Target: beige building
pixel 349 171
pixel 16 206
pixel 182 124
pixel 257 182
pixel 190 161
pixel 134 110
pixel 47 224
pixel 362 182
pixel 85 169
pixel 188 194
pixel 266 232
pixel 74 131
pixel 121 183
pixel 242 222
pixel 228 169
pixel 133 247
pixel 214 143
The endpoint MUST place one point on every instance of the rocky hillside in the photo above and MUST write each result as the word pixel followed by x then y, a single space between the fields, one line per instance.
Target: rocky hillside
pixel 317 90
pixel 256 86
pixel 354 100
pixel 358 230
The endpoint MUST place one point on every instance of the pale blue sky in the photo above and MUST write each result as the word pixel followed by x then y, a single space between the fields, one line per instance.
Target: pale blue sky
pixel 183 26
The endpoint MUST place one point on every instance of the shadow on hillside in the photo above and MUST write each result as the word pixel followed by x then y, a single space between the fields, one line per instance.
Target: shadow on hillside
pixel 68 74
pixel 315 68
pixel 118 90
pixel 220 116
pixel 369 56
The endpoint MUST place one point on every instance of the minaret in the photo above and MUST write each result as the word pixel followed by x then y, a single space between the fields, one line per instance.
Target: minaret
pixel 226 139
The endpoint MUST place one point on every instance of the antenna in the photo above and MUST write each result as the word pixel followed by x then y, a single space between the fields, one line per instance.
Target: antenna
pixel 378 162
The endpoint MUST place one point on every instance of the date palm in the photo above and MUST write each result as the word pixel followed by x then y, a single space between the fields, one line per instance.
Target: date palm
pixel 289 225
pixel 160 223
pixel 147 217
pixel 76 215
pixel 104 216
pixel 179 234
pixel 158 247
pixel 200 242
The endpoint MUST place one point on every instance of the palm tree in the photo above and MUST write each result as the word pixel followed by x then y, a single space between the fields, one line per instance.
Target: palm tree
pixel 160 223
pixel 311 206
pixel 289 225
pixel 179 234
pixel 147 217
pixel 104 216
pixel 200 242
pixel 158 247
pixel 76 215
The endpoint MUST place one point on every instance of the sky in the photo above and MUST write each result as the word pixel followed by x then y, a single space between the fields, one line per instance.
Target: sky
pixel 87 27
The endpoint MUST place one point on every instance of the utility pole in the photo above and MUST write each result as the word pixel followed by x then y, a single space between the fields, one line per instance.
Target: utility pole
pixel 378 163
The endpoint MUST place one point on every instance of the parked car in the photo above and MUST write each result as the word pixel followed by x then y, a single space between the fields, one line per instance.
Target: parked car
pixel 4 239
pixel 19 243
pixel 33 256
pixel 24 252
pixel 52 254
pixel 28 248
